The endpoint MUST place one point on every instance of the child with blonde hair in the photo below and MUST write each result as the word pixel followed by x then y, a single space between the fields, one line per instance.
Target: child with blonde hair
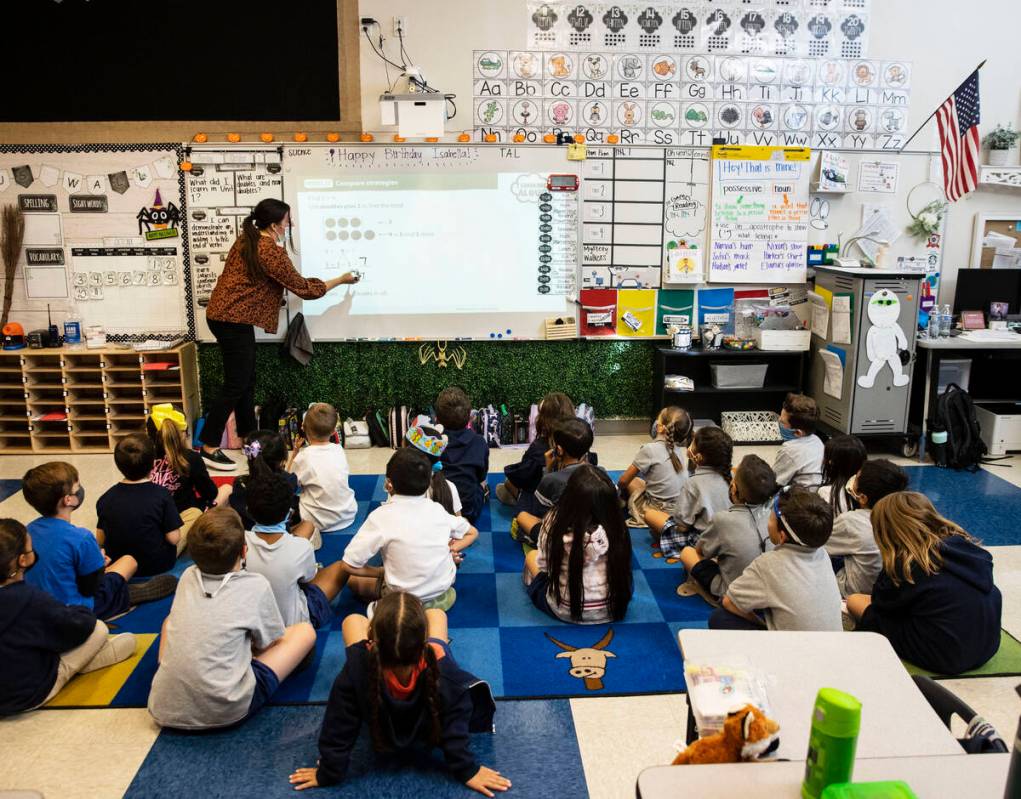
pixel 934 599
pixel 654 479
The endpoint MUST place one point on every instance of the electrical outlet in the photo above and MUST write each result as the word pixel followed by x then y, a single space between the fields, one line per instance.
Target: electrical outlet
pixel 400 26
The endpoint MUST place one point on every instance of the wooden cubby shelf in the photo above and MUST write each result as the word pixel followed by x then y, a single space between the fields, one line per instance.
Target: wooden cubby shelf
pixel 63 400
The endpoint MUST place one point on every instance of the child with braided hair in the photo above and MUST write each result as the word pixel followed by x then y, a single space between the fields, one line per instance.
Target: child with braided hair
pixel 654 479
pixel 401 678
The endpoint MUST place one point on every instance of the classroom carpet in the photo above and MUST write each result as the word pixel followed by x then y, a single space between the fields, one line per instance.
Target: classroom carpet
pixel 9 488
pixel 499 636
pixel 267 748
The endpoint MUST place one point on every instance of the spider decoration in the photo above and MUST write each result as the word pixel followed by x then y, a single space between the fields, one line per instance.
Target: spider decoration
pixel 438 352
pixel 158 217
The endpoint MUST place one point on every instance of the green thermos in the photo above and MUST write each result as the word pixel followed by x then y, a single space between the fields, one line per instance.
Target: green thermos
pixel 836 719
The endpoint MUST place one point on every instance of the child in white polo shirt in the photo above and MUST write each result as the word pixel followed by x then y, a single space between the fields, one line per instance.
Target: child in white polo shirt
pixel 418 538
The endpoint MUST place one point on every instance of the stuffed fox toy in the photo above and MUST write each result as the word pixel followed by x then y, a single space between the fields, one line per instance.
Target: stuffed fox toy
pixel 747 735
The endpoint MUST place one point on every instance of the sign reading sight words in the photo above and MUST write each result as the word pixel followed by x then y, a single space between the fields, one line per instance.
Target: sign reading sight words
pixel 760 208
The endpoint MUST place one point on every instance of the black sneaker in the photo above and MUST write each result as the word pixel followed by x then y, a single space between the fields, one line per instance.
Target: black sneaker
pixel 217 460
pixel 162 585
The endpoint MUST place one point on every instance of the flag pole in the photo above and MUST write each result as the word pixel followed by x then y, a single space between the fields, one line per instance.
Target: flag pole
pixel 919 129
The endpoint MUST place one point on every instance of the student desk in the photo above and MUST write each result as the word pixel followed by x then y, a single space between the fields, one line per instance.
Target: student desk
pixel 993 365
pixel 933 777
pixel 896 719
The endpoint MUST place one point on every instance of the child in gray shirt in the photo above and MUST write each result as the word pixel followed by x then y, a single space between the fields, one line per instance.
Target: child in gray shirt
pixel 799 460
pixel 793 587
pixel 852 546
pixel 704 494
pixel 654 479
pixel 735 537
pixel 208 675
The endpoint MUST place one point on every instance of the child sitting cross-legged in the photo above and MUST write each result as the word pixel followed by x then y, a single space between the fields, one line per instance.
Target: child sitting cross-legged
pixel 136 517
pixel 71 567
pixel 588 582
pixel 705 493
pixel 267 454
pixel 401 680
pixel 934 599
pixel 303 591
pixel 655 478
pixel 466 456
pixel 799 461
pixel 735 537
pixel 572 440
pixel 327 502
pixel 419 540
pixel 43 642
pixel 224 648
pixel 852 546
pixel 793 587
pixel 523 477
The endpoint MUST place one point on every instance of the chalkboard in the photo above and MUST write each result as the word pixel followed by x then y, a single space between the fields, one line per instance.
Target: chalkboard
pixel 760 210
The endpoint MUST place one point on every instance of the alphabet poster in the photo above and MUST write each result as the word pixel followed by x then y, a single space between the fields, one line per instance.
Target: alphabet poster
pixel 760 215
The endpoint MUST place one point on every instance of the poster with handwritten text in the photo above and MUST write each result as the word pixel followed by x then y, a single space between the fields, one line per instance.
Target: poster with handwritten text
pixel 760 214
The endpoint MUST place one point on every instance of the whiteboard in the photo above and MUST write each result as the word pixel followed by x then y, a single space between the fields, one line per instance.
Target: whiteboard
pixel 833 215
pixel 104 233
pixel 759 222
pixel 453 240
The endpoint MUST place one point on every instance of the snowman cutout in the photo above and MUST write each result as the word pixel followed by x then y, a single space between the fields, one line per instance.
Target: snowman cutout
pixel 884 339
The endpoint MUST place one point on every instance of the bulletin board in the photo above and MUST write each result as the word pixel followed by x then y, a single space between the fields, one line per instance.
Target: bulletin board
pixel 222 187
pixel 1008 225
pixel 105 234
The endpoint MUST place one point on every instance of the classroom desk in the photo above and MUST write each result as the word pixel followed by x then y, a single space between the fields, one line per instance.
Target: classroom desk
pixel 896 719
pixel 954 777
pixel 1004 355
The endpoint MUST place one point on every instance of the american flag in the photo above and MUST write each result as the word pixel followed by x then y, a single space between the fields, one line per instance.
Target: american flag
pixel 958 120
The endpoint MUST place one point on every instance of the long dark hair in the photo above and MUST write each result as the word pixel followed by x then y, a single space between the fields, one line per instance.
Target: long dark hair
pixel 267 212
pixel 556 407
pixel 589 501
pixel 398 636
pixel 717 450
pixel 842 457
pixel 439 488
pixel 13 536
pixel 266 453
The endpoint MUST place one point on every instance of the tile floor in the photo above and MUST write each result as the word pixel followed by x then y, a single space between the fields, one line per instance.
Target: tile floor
pixel 55 751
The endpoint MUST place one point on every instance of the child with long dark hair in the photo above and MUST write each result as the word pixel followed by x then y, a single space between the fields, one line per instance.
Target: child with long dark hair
pixel 842 458
pixel 401 678
pixel 267 455
pixel 581 570
pixel 556 407
pixel 935 599
pixel 704 494
pixel 654 479
pixel 180 469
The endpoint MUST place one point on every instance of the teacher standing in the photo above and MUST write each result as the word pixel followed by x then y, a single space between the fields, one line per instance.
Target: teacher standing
pixel 248 294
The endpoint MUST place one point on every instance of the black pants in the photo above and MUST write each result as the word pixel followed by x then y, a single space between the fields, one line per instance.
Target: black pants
pixel 237 348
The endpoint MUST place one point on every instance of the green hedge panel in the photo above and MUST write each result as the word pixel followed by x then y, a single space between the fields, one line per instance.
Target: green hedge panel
pixel 615 377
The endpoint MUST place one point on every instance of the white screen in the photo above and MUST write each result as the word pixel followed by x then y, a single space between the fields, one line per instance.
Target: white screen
pixel 426 243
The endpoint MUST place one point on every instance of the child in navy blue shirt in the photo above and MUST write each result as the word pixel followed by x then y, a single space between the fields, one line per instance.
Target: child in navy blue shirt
pixel 524 477
pixel 136 516
pixel 72 568
pixel 466 458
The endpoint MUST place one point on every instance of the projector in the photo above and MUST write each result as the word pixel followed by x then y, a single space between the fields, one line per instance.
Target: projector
pixel 419 111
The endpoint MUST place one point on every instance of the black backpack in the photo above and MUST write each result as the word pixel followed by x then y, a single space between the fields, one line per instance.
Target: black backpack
pixel 378 428
pixel 955 413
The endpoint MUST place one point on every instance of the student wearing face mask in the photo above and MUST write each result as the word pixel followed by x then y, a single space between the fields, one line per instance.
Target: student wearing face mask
pixel 43 642
pixel 249 294
pixel 71 566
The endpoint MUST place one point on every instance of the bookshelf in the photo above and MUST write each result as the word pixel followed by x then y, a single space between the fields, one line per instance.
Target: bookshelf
pixel 81 400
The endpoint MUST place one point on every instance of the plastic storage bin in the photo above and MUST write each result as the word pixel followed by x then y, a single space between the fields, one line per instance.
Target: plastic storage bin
pixel 773 340
pixel 738 375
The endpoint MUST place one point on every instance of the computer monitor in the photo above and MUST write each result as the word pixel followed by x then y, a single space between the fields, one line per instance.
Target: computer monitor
pixel 977 288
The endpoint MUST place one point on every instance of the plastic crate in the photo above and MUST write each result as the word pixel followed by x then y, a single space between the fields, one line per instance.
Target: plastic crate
pixel 738 375
pixel 751 426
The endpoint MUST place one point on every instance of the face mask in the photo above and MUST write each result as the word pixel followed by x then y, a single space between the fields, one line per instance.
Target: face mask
pixel 787 433
pixel 80 495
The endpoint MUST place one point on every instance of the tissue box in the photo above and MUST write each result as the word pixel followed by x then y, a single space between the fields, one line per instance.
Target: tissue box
pixel 800 340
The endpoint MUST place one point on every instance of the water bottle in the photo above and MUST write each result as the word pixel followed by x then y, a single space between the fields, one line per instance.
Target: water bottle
pixel 944 321
pixel 73 328
pixel 832 740
pixel 934 322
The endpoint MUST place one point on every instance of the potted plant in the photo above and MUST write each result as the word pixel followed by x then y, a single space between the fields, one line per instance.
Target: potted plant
pixel 1002 144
